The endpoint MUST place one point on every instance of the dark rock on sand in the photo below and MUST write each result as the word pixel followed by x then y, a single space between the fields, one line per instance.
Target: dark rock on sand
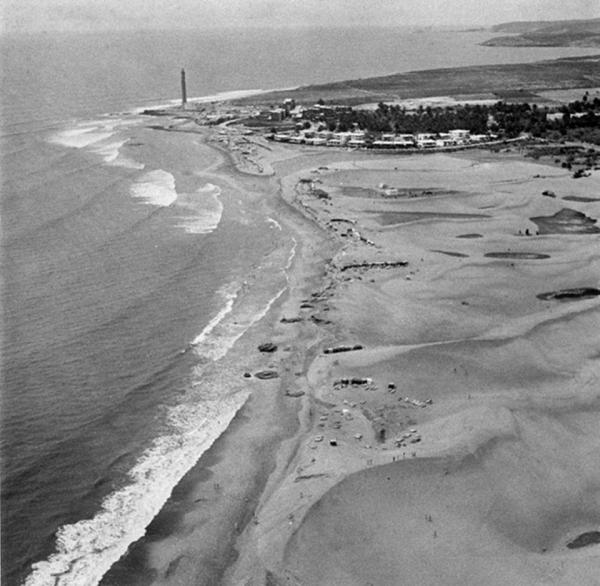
pixel 336 349
pixel 589 538
pixel 570 294
pixel 320 321
pixel 566 221
pixel 266 374
pixel 290 320
pixel 267 347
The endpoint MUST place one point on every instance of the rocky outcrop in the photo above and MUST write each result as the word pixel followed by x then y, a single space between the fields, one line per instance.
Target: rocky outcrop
pixel 267 374
pixel 267 347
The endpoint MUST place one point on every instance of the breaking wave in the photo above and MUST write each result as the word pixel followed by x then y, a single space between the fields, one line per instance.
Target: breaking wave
pixel 220 335
pixel 86 550
pixel 94 136
pixel 205 209
pixel 155 188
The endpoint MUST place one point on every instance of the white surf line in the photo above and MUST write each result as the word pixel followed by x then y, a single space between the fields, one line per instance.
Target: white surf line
pixel 86 550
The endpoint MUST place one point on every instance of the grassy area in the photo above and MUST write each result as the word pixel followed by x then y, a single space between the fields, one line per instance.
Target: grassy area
pixel 524 78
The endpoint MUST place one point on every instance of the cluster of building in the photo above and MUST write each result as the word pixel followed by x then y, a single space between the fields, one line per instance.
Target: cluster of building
pixel 290 110
pixel 359 139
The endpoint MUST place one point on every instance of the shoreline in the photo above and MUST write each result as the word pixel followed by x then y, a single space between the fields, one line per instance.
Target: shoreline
pixel 240 461
pixel 269 547
pixel 245 507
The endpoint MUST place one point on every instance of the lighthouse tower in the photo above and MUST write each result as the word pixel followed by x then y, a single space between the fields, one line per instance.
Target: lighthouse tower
pixel 183 89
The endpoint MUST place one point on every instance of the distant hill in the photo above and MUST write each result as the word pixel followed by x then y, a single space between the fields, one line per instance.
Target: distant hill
pixel 559 33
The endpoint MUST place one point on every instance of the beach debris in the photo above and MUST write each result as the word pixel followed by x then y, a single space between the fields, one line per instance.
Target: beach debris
pixel 266 374
pixel 267 347
pixel 247 375
pixel 318 438
pixel 294 394
pixel 336 349
pixel 333 442
pixel 307 306
pixel 391 386
pixel 358 436
pixel 548 193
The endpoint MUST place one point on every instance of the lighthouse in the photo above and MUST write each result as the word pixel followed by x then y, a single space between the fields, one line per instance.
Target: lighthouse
pixel 183 89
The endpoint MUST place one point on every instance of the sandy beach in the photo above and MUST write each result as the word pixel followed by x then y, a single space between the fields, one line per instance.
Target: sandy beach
pixel 434 413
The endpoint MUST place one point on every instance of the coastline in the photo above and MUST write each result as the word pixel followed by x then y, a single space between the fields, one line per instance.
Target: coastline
pixel 245 511
pixel 463 429
pixel 445 328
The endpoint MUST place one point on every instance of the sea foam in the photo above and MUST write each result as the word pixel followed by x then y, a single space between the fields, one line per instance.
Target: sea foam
pixel 86 550
pixel 204 210
pixel 155 188
pixel 80 137
pixel 219 336
pixel 94 136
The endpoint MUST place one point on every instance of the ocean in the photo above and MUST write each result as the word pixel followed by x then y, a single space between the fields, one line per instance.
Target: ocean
pixel 130 270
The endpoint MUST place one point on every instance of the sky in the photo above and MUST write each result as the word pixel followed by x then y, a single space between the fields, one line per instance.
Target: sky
pixel 91 15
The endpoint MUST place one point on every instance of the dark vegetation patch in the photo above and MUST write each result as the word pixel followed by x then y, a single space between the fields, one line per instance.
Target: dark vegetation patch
pixel 581 198
pixel 388 218
pixel 570 294
pixel 517 255
pixel 571 157
pixel 566 221
pixel 450 253
pixel 589 538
